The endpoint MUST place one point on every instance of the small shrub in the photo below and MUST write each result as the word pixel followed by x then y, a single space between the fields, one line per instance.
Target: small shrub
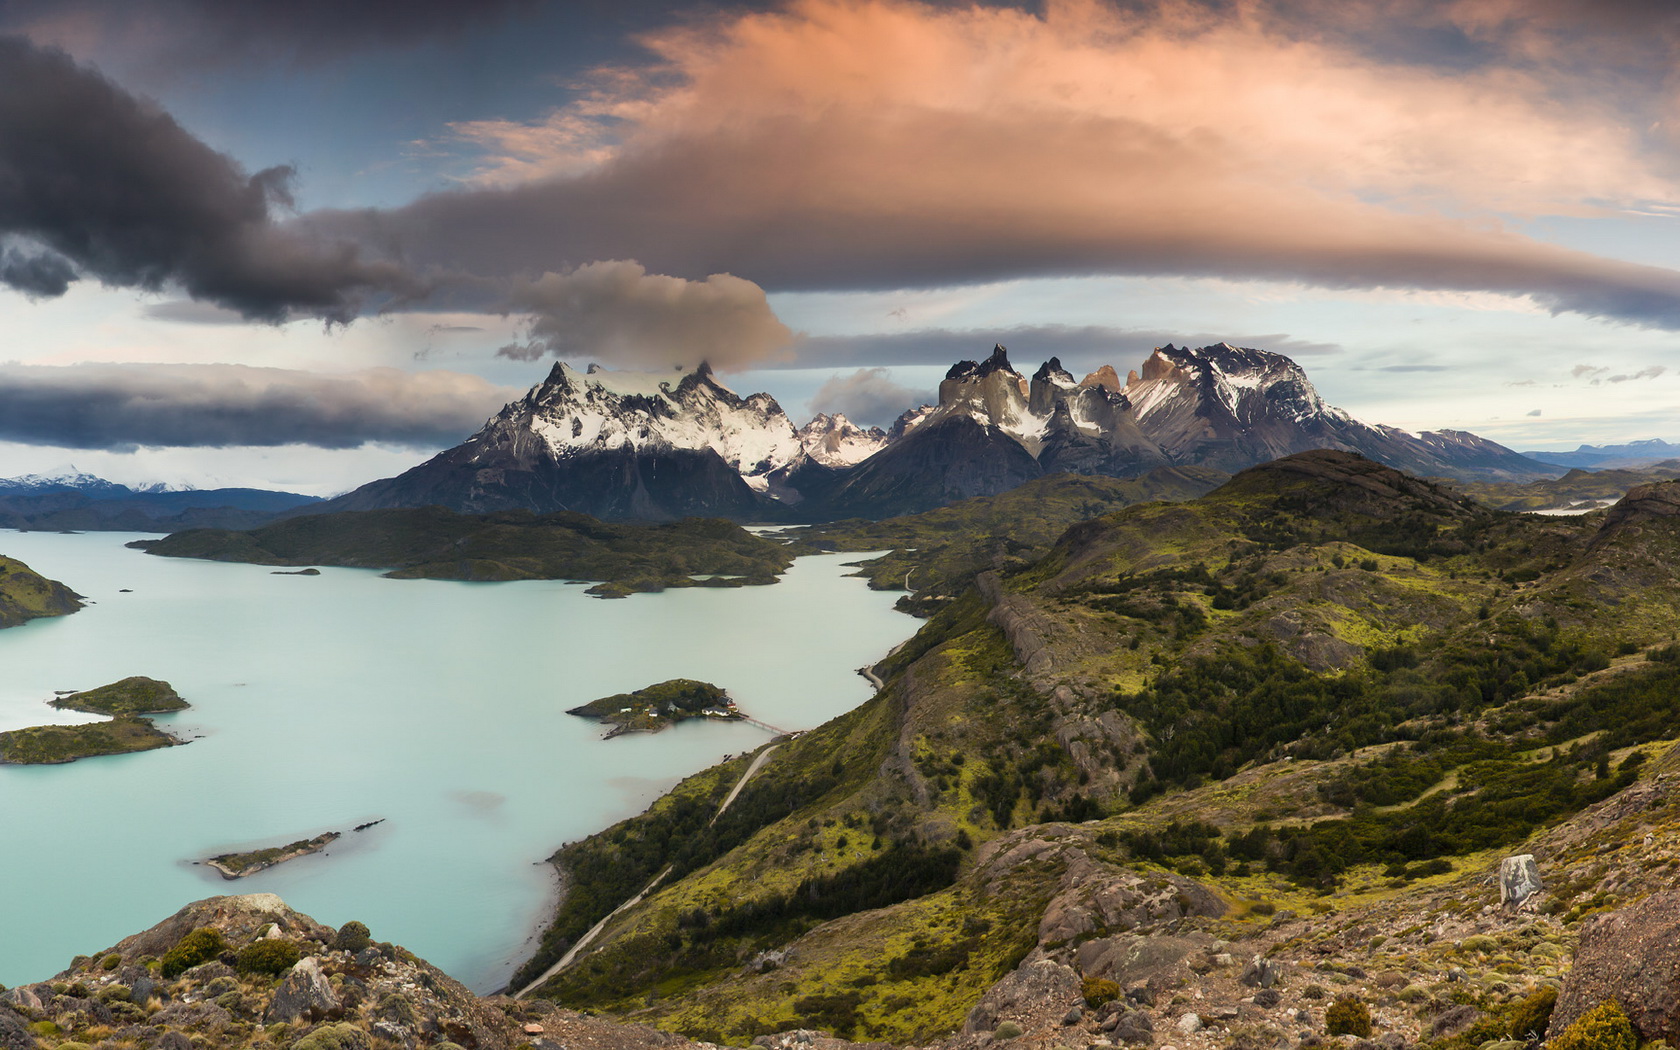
pixel 1530 1017
pixel 194 949
pixel 115 993
pixel 272 956
pixel 1349 1016
pixel 1480 942
pixel 339 1036
pixel 1313 991
pixel 353 936
pixel 1604 1027
pixel 110 962
pixel 1098 991
pixel 1007 1030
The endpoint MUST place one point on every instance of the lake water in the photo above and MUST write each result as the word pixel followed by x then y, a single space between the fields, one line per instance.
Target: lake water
pixel 324 702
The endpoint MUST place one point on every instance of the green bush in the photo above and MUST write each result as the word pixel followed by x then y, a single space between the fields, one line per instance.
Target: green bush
pixel 1349 1016
pixel 272 956
pixel 1604 1027
pixel 1098 991
pixel 353 936
pixel 340 1036
pixel 110 962
pixel 1530 1017
pixel 195 949
pixel 1007 1030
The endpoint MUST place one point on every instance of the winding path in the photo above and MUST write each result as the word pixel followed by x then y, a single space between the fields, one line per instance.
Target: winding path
pixel 583 942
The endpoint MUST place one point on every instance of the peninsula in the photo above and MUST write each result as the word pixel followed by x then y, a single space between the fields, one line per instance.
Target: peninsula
pixel 651 709
pixel 434 543
pixel 125 702
pixel 239 865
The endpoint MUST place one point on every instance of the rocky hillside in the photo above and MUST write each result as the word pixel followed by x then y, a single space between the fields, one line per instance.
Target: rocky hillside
pixel 26 595
pixel 1325 688
pixel 1326 754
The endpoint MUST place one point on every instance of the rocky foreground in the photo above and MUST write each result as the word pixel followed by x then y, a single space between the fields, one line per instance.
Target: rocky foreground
pixel 1484 972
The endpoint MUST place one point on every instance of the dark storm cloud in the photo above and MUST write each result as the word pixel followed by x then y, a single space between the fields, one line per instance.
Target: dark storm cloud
pixel 36 274
pixel 110 188
pixel 124 406
pixel 210 33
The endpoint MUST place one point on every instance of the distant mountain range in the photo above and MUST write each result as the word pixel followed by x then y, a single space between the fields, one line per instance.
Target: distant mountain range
pixel 627 445
pixel 83 502
pixel 1631 456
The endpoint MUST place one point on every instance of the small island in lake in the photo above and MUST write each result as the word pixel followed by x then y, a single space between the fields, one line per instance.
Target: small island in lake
pixel 135 695
pixel 127 732
pixel 653 708
pixel 239 865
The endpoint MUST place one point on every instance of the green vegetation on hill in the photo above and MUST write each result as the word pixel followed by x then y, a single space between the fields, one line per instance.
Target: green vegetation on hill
pixel 26 595
pixel 137 695
pixel 49 745
pixel 1323 672
pixel 434 543
pixel 936 553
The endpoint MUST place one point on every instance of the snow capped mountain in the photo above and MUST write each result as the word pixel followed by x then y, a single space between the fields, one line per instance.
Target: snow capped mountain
pixel 576 412
pixel 662 445
pixel 67 479
pixel 835 441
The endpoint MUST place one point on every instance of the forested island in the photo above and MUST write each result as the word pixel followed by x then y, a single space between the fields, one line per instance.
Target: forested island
pixel 439 544
pixel 664 704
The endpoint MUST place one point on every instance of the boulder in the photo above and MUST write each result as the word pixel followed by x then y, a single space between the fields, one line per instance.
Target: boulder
pixel 14 1032
pixel 1633 956
pixel 304 995
pixel 1519 879
pixel 1037 985
pixel 1260 972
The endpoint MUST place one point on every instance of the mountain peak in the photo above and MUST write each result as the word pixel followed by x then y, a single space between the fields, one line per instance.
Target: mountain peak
pixel 997 362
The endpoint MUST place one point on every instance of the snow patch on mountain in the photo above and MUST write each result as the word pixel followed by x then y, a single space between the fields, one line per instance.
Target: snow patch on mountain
pixel 835 441
pixel 576 412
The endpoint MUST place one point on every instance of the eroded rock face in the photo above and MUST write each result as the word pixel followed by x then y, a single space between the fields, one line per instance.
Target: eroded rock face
pixel 1633 956
pixel 1519 879
pixel 1042 987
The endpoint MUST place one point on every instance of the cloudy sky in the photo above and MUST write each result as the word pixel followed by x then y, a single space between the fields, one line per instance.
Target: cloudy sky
pixel 303 244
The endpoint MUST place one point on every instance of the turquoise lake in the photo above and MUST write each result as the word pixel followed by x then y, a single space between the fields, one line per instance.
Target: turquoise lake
pixel 324 702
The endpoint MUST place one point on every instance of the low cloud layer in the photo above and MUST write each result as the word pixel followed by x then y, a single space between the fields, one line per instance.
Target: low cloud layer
pixel 98 184
pixel 124 406
pixel 868 397
pixel 1078 346
pixel 877 145
pixel 618 312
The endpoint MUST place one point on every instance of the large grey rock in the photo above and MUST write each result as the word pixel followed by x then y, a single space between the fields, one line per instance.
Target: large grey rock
pixel 1633 956
pixel 1519 879
pixel 14 1032
pixel 303 995
pixel 1260 972
pixel 1038 985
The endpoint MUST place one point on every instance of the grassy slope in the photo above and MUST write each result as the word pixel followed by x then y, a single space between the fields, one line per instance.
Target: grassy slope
pixel 40 745
pixel 936 553
pixel 26 595
pixel 434 543
pixel 1438 663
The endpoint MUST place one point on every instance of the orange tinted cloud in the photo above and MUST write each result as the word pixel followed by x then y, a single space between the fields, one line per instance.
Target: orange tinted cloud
pixel 892 144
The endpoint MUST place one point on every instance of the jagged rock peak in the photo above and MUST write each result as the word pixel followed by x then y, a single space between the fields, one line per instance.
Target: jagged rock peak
pixel 998 362
pixel 835 441
pixel 1053 370
pixel 1108 379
